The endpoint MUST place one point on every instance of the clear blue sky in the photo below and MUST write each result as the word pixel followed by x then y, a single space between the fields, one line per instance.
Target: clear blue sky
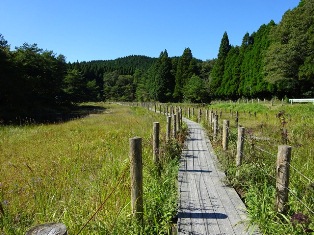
pixel 108 29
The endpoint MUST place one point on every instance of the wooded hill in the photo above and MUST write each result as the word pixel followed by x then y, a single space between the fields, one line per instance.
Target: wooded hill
pixel 274 61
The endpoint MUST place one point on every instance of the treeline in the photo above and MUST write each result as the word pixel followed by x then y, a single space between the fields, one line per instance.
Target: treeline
pixel 141 78
pixel 274 61
pixel 277 60
pixel 37 83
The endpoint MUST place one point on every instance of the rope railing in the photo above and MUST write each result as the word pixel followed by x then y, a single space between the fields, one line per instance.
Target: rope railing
pixel 254 143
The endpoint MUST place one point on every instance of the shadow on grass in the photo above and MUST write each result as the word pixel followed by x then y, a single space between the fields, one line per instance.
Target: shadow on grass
pixel 49 115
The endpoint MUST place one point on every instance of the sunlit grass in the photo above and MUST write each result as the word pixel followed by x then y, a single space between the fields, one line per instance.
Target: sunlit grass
pixel 256 183
pixel 63 172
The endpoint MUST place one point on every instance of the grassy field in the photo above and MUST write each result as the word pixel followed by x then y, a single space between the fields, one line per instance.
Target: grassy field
pixel 63 172
pixel 266 127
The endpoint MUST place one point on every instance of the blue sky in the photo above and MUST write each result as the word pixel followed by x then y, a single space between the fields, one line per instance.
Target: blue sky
pixel 108 29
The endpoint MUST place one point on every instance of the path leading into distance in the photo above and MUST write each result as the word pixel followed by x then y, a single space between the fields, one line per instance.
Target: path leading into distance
pixel 206 204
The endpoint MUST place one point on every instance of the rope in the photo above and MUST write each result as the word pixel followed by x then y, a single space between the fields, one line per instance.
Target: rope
pixel 300 173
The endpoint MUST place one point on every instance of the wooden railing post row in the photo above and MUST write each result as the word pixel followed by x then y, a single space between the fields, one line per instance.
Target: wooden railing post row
pixel 156 142
pixel 240 146
pixel 225 135
pixel 282 178
pixel 136 173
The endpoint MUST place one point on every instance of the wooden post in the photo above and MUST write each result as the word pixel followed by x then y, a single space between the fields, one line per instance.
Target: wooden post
pixel 215 126
pixel 282 177
pixel 206 118
pixel 189 113
pixel 50 228
pixel 156 142
pixel 168 137
pixel 179 119
pixel 136 172
pixel 225 135
pixel 237 119
pixel 240 145
pixel 199 115
pixel 174 125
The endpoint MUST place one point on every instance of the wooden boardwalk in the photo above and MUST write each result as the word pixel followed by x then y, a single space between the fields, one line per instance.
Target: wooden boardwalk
pixel 206 204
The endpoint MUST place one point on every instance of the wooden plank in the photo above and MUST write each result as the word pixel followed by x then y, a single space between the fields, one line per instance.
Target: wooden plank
pixel 206 204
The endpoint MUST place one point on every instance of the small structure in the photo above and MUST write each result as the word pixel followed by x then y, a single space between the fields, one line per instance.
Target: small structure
pixel 301 100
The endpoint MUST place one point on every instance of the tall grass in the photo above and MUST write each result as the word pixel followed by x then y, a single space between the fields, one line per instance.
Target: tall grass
pixel 63 173
pixel 256 181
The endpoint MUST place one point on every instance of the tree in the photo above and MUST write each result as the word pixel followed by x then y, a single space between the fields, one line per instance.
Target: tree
pixel 183 73
pixel 290 54
pixel 161 79
pixel 195 90
pixel 217 72
pixel 74 86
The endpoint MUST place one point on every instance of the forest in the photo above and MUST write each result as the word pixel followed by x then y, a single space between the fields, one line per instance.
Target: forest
pixel 275 61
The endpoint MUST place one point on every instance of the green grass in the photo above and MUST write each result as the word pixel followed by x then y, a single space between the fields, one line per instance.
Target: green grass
pixel 63 172
pixel 256 182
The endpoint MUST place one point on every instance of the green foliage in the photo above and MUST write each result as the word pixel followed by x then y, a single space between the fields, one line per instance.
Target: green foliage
pixel 63 172
pixel 288 62
pixel 255 181
pixel 184 72
pixel 195 90
pixel 118 87
pixel 74 86
pixel 217 73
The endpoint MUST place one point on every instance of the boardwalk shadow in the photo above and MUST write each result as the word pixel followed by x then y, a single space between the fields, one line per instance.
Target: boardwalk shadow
pixel 196 171
pixel 192 139
pixel 199 215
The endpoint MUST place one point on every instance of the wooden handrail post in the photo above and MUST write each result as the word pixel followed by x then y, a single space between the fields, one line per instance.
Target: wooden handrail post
pixel 168 136
pixel 215 126
pixel 210 116
pixel 240 145
pixel 225 135
pixel 179 119
pixel 136 172
pixel 174 125
pixel 156 142
pixel 282 177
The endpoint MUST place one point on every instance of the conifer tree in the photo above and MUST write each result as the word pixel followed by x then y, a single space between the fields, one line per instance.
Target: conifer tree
pixel 217 72
pixel 182 74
